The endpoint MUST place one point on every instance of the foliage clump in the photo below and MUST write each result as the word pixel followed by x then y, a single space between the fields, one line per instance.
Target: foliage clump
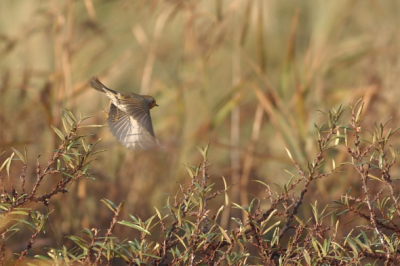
pixel 188 231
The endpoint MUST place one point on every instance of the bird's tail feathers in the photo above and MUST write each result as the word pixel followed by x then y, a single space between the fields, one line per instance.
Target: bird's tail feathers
pixel 97 85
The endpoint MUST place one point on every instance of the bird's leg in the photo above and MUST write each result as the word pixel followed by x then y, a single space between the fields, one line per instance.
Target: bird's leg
pixel 106 116
pixel 116 117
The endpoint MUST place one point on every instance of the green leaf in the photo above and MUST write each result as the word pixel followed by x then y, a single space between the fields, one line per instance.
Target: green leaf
pixel 93 126
pixel 9 164
pixel 65 121
pixel 271 227
pixel 129 224
pixel 151 256
pixel 19 155
pixel 219 211
pixel 58 132
pixel 43 258
pixel 148 222
pixel 261 182
pixel 204 151
pixel 226 194
pixel 79 241
pixel 88 232
pixel 353 245
pixel 374 177
pixel 315 244
pixel 359 113
pixel 86 117
pixel 84 144
pixel 93 153
pixel 251 205
pixel 71 176
pixel 66 158
pixel 158 213
pixel 180 240
pixel 392 152
pixel 109 204
pixel 225 234
pixel 19 213
pixel 307 257
pixel 29 225
pixel 237 241
pixel 268 218
pixel 190 171
pixel 70 114
pixel 4 163
pixel 289 154
pixel 237 206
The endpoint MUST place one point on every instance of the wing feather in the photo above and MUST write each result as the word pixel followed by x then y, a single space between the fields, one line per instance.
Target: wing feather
pixel 140 111
pixel 129 130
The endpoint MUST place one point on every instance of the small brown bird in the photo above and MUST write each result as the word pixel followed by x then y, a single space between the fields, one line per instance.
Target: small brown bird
pixel 129 117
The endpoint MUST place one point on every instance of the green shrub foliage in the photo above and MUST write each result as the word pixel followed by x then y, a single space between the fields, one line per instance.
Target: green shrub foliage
pixel 189 231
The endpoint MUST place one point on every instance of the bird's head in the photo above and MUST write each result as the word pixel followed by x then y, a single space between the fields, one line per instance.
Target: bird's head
pixel 151 101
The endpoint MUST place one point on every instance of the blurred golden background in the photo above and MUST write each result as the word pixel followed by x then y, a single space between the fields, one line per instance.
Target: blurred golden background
pixel 248 76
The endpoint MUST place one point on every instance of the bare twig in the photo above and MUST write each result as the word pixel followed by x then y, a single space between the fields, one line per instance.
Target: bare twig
pixel 108 233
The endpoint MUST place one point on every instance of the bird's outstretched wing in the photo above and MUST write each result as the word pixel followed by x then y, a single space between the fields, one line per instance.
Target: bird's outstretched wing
pixel 140 111
pixel 134 129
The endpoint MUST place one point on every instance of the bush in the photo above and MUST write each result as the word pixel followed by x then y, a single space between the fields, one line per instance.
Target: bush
pixel 188 230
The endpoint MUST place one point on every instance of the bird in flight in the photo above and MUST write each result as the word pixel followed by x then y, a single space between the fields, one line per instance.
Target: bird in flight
pixel 129 117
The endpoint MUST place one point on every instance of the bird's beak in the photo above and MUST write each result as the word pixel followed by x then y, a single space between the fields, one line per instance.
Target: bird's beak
pixel 156 104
